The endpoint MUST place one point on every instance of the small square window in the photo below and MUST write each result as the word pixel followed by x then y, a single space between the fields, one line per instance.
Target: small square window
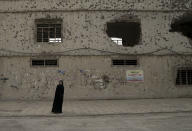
pixel 49 31
pixel 184 76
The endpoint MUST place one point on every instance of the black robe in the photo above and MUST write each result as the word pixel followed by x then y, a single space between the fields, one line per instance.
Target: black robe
pixel 58 100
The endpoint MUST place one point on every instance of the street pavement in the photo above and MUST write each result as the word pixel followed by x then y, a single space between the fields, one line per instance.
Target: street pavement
pixel 95 107
pixel 136 122
pixel 98 115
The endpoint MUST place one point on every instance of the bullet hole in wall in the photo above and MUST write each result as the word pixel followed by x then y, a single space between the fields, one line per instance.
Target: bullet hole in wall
pixel 183 25
pixel 124 33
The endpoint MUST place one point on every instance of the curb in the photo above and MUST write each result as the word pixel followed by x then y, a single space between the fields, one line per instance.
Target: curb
pixel 95 115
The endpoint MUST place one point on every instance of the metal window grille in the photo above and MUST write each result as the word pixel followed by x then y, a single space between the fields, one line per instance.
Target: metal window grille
pixel 51 62
pixel 124 62
pixel 184 76
pixel 49 32
pixel 44 62
pixel 38 63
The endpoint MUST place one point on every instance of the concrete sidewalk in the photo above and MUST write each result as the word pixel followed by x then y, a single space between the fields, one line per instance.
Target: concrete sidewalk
pixel 96 107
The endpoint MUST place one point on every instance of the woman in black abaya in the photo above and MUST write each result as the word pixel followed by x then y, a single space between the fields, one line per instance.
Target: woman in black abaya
pixel 58 100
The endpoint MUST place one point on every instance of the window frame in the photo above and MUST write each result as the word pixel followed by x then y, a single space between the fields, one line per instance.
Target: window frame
pixel 125 58
pixel 48 21
pixel 176 71
pixel 44 59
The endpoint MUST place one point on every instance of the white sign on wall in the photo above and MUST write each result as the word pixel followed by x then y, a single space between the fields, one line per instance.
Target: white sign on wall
pixel 135 75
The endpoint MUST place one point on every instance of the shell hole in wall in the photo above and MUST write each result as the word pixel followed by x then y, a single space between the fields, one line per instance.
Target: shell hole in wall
pixel 124 33
pixel 183 25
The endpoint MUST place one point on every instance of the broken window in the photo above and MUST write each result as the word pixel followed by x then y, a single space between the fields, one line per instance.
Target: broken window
pixel 124 33
pixel 44 62
pixel 184 76
pixel 124 62
pixel 48 30
pixel 183 25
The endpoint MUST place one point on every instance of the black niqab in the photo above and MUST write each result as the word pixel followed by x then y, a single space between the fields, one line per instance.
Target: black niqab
pixel 58 100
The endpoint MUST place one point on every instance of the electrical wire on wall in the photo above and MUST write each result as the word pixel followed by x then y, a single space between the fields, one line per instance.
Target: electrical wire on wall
pixel 180 54
pixel 63 53
pixel 110 52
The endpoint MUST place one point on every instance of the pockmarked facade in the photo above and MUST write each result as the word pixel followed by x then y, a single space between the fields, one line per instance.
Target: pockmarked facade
pixel 102 49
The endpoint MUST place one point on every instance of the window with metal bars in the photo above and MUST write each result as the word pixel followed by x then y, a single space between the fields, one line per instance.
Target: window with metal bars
pixel 49 31
pixel 184 76
pixel 124 62
pixel 44 62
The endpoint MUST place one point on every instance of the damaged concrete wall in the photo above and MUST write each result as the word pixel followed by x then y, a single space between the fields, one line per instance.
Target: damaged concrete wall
pixel 35 5
pixel 88 30
pixel 84 78
pixel 86 51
